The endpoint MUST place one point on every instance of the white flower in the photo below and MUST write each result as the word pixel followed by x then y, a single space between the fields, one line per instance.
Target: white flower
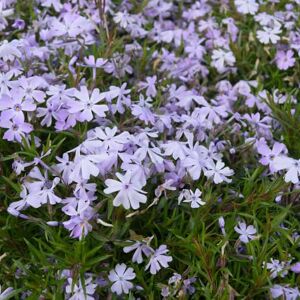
pixel 55 3
pixel 194 199
pixel 246 232
pixel 3 14
pixel 268 35
pixel 149 85
pixel 291 165
pixel 86 166
pixel 195 161
pixel 87 105
pixel 221 59
pixel 159 259
pixel 9 50
pixel 129 192
pixel 121 277
pixel 123 18
pixel 246 6
pixel 218 172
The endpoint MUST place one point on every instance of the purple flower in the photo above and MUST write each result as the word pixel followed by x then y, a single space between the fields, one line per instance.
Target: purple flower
pixel 129 191
pixel 218 172
pixel 30 88
pixel 268 155
pixel 159 259
pixel 296 267
pixel 12 107
pixel 19 24
pixel 9 50
pixel 80 225
pixel 16 129
pixel 246 6
pixel 80 292
pixel 140 248
pixel 247 233
pixel 222 59
pixel 87 105
pixel 194 198
pixel 149 85
pixel 187 286
pixel 277 268
pixel 285 291
pixel 121 277
pixel 285 59
pixel 269 34
pixel 165 292
pixel 292 166
pixel 41 191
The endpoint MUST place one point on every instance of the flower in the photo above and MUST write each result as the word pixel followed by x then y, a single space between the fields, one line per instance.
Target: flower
pixel 291 165
pixel 165 292
pixel 123 18
pixel 296 268
pixel 195 161
pixel 87 105
pixel 79 225
pixel 30 87
pixel 158 260
pixel 9 50
pixel 246 6
pixel 188 288
pixel 16 129
pixel 149 85
pixel 277 268
pixel 140 248
pixel 79 292
pixel 6 293
pixel 42 190
pixel 129 191
pixel 246 232
pixel 268 35
pixel 289 293
pixel 285 59
pixel 120 277
pixel 268 155
pixel 55 3
pixel 194 199
pixel 218 172
pixel 13 106
pixel 221 59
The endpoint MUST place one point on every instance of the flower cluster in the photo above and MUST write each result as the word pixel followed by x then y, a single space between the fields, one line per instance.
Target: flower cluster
pixel 112 112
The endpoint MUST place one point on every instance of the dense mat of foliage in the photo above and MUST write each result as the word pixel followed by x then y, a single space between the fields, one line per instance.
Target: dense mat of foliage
pixel 149 149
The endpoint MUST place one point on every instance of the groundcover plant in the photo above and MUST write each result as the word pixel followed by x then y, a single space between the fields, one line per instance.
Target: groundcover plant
pixel 149 149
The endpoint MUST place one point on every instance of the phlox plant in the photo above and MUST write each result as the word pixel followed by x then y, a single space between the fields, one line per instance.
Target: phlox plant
pixel 149 149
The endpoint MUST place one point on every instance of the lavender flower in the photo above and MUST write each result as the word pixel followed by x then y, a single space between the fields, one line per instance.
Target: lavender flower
pixel 285 60
pixel 159 259
pixel 129 192
pixel 247 233
pixel 121 277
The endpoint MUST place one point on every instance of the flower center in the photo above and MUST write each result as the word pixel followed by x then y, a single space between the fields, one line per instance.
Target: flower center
pixel 48 184
pixel 15 127
pixel 17 107
pixel 28 90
